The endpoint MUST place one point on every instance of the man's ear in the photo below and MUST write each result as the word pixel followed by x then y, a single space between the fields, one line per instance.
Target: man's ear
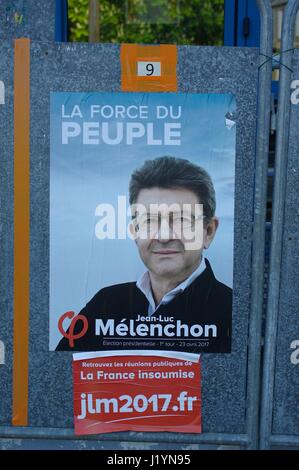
pixel 210 231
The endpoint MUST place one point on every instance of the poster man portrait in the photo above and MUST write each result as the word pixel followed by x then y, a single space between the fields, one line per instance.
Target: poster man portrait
pixel 173 291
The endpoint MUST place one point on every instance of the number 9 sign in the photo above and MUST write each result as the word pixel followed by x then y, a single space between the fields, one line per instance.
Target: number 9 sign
pixel 148 69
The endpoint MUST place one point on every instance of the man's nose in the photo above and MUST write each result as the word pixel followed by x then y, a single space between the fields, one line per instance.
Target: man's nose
pixel 164 232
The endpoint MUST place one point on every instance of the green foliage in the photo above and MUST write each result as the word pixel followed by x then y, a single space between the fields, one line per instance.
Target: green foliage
pixel 151 21
pixel 78 20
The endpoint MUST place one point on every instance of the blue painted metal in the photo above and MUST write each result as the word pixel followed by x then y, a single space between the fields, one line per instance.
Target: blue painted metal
pixel 239 16
pixel 275 88
pixel 61 20
pixel 242 14
pixel 253 40
pixel 230 29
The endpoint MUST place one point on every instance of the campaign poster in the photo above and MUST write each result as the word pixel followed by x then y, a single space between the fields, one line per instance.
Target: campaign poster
pixel 141 221
pixel 152 391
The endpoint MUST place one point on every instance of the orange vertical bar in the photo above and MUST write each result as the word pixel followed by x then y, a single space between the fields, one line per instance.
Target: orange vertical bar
pixel 21 229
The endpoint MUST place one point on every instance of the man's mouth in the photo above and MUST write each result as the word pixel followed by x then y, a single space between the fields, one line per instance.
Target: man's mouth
pixel 165 252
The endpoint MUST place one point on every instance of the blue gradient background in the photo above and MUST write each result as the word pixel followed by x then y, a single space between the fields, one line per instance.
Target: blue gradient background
pixel 83 176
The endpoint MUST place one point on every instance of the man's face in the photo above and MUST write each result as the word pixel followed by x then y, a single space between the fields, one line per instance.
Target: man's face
pixel 164 250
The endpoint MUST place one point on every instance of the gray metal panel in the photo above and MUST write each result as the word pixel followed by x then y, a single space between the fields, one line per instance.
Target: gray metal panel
pixel 259 220
pixel 279 404
pixel 54 67
pixel 27 18
pixel 286 388
pixel 61 444
pixel 217 439
pixel 83 67
pixel 206 70
pixel 6 229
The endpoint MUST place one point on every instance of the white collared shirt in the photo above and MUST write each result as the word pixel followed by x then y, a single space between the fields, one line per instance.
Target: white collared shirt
pixel 144 284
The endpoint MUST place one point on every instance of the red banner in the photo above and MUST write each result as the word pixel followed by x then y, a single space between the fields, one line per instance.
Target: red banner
pixel 133 391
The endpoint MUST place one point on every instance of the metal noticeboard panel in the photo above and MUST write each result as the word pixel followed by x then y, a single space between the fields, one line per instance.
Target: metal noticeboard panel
pixel 27 18
pixel 283 420
pixel 6 217
pixel 90 68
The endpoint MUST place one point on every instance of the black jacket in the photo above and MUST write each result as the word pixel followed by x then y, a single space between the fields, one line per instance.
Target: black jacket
pixel 195 316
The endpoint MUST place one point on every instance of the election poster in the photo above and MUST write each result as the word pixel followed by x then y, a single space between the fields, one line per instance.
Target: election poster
pixel 141 221
pixel 155 391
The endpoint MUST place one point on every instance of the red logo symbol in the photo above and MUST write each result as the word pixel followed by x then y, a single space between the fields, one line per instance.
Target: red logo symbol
pixel 70 333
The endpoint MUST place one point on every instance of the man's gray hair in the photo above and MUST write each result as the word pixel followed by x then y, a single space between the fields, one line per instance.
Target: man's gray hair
pixel 171 172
